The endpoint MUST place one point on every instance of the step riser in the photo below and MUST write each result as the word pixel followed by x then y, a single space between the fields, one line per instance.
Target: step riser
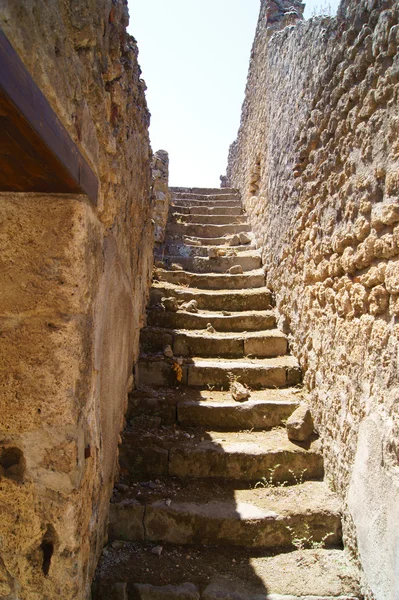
pixel 160 373
pixel 203 191
pixel 234 301
pixel 212 282
pixel 241 467
pixel 210 201
pixel 214 463
pixel 216 265
pixel 206 242
pixel 189 251
pixel 228 219
pixel 273 377
pixel 204 210
pixel 205 231
pixel 215 416
pixel 155 340
pixel 235 418
pixel 184 525
pixel 182 320
pixel 179 197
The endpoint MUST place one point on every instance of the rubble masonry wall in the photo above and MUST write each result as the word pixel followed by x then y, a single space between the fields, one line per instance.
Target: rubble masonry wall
pixel 74 284
pixel 317 162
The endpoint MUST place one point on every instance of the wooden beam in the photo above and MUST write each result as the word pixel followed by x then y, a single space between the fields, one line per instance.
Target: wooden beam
pixel 37 154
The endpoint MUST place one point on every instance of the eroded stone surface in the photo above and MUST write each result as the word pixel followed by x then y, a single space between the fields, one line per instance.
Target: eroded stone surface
pixel 74 282
pixel 325 217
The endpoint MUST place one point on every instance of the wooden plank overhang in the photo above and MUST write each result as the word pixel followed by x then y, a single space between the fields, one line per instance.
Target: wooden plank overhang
pixel 37 154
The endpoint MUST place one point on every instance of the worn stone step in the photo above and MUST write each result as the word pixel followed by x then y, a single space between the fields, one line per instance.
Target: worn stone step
pixel 249 262
pixel 219 515
pixel 192 240
pixel 264 344
pixel 215 204
pixel 255 373
pixel 203 191
pixel 213 281
pixel 204 219
pixel 225 240
pixel 264 409
pixel 206 199
pixel 235 321
pixel 241 456
pixel 205 210
pixel 237 300
pixel 174 248
pixel 214 409
pixel 215 573
pixel 206 231
pixel 202 372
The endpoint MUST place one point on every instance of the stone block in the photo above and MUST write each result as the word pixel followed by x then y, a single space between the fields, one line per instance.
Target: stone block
pixel 300 424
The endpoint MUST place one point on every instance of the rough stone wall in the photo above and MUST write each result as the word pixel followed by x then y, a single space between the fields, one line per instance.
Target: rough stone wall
pixel 74 283
pixel 160 193
pixel 317 163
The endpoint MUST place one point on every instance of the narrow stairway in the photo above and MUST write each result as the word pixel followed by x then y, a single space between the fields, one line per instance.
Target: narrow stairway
pixel 214 501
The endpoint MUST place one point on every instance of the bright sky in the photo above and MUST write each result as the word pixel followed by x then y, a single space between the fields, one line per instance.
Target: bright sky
pixel 194 55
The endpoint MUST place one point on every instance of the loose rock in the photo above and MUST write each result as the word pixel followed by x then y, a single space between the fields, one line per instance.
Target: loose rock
pixel 192 242
pixel 239 392
pixel 191 307
pixel 235 241
pixel 157 550
pixel 236 270
pixel 300 424
pixel 176 267
pixel 170 304
pixel 244 238
pixel 168 352
pixel 210 328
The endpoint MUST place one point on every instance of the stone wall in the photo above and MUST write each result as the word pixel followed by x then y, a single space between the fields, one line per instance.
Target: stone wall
pixel 317 163
pixel 160 193
pixel 74 283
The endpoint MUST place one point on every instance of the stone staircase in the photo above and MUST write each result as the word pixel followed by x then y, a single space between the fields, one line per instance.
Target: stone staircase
pixel 214 501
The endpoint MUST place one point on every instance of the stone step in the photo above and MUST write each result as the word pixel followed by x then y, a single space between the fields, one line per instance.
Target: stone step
pixel 204 210
pixel 214 409
pixel 235 321
pixel 215 573
pixel 210 219
pixel 240 456
pixel 225 240
pixel 204 191
pixel 213 281
pixel 249 262
pixel 206 231
pixel 215 203
pixel 206 199
pixel 262 344
pixel 264 409
pixel 155 369
pixel 173 248
pixel 237 300
pixel 217 514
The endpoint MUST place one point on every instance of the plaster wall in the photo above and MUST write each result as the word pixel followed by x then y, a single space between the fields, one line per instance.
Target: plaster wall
pixel 317 162
pixel 74 285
